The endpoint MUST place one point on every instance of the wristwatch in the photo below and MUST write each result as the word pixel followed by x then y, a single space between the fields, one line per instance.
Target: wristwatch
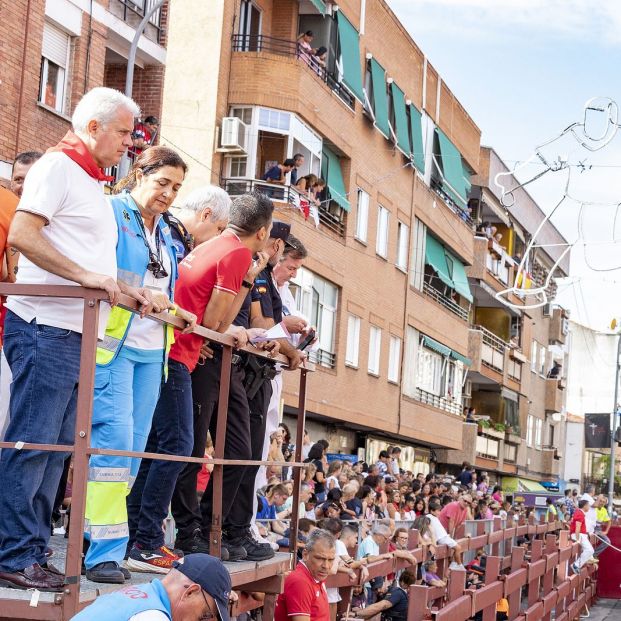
pixel 247 284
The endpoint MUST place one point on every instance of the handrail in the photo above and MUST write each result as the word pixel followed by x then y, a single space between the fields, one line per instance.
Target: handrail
pixel 445 301
pixel 66 604
pixel 491 339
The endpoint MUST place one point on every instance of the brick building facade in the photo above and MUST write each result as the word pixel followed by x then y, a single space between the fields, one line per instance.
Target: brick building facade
pixel 55 50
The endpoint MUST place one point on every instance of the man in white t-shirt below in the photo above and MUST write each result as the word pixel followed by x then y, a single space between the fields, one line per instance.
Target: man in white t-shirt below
pixel 591 514
pixel 66 234
pixel 441 537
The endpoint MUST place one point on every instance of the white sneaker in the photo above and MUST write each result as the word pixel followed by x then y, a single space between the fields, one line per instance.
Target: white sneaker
pixel 455 565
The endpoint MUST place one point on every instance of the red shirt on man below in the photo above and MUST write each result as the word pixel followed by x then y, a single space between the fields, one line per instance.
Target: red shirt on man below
pixel 302 595
pixel 455 511
pixel 220 263
pixel 578 516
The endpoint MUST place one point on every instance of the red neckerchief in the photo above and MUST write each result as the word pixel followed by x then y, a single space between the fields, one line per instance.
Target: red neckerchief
pixel 74 148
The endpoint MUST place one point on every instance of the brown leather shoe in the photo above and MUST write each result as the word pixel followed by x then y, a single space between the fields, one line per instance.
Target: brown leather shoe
pixel 33 577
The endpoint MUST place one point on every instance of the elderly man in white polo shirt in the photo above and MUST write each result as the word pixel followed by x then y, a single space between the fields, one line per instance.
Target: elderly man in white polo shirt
pixel 67 234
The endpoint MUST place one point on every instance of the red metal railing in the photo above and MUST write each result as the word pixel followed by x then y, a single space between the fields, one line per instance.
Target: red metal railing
pixel 62 606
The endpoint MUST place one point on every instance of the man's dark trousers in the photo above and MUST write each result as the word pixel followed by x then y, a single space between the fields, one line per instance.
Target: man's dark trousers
pixel 239 518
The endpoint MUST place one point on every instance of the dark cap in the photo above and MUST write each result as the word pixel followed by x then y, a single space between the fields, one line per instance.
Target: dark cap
pixel 280 230
pixel 211 575
pixel 389 479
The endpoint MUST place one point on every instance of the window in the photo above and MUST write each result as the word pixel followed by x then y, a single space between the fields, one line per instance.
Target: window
pixel 381 243
pixel 375 345
pixel 533 357
pixel 317 299
pixel 538 432
pixel 487 447
pixel 542 359
pixel 417 270
pixel 402 246
pixel 410 361
pixel 243 113
pixel 353 341
pixel 249 27
pixel 362 216
pixel 510 452
pixel 394 359
pixel 530 430
pixel 238 166
pixel 54 68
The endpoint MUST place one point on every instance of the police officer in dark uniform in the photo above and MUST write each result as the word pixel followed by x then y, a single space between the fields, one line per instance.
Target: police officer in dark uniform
pixel 266 311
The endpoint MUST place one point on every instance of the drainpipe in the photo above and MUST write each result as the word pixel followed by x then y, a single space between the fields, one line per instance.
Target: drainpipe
pixel 123 168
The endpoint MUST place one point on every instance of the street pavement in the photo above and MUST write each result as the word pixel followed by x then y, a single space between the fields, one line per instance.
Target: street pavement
pixel 606 610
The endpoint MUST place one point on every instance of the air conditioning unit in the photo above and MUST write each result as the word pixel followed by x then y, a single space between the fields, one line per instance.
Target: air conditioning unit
pixel 234 134
pixel 547 310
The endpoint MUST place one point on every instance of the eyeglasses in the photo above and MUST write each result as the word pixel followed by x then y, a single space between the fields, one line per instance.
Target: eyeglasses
pixel 206 616
pixel 155 266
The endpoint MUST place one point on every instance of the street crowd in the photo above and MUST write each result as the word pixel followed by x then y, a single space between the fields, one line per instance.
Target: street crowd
pixel 225 265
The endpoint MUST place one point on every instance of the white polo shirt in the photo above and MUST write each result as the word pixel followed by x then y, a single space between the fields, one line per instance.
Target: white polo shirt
pixel 80 225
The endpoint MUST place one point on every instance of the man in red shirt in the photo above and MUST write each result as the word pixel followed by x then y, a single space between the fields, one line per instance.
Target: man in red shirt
pixel 214 280
pixel 144 135
pixel 578 530
pixel 455 514
pixel 304 597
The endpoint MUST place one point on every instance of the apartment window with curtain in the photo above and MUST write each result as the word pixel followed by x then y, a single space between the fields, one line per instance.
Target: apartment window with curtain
pixel 362 216
pixel 417 264
pixel 530 430
pixel 394 359
pixel 317 299
pixel 538 433
pixel 54 78
pixel 402 246
pixel 375 346
pixel 381 243
pixel 353 341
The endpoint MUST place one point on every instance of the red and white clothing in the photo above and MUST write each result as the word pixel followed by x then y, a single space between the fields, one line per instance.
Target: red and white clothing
pixel 302 595
pixel 579 518
pixel 220 263
pixel 142 131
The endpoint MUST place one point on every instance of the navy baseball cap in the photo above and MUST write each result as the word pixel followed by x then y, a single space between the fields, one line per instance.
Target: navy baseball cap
pixel 211 575
pixel 280 230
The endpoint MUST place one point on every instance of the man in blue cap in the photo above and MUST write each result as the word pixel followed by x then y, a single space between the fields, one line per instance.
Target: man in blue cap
pixel 196 589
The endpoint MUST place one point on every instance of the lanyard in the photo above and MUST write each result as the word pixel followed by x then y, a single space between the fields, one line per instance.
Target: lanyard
pixel 145 239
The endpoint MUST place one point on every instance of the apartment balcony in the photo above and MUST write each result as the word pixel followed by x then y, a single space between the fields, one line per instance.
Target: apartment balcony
pixel 133 11
pixel 459 212
pixel 559 326
pixel 335 220
pixel 445 301
pixel 550 463
pixel 442 403
pixel 270 52
pixel 487 349
pixel 554 395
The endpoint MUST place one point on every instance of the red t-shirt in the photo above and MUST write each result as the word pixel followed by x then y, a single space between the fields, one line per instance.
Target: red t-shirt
pixel 455 511
pixel 578 516
pixel 302 595
pixel 220 263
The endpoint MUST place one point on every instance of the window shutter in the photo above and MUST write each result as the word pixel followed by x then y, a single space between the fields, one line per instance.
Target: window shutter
pixel 55 45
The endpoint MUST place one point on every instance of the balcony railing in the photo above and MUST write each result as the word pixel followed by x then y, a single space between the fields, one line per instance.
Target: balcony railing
pixel 323 358
pixel 132 12
pixel 442 403
pixel 487 447
pixel 492 349
pixel 285 47
pixel 460 212
pixel 445 301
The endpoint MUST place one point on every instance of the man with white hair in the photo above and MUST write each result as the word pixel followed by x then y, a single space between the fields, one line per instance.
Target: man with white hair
pixel 66 234
pixel 203 214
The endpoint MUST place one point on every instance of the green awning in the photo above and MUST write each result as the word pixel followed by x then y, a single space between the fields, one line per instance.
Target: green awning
pixel 320 5
pixel 416 130
pixel 436 258
pixel 401 119
pixel 458 276
pixel 455 355
pixel 453 182
pixel 349 45
pixel 332 173
pixel 515 484
pixel 380 101
pixel 430 343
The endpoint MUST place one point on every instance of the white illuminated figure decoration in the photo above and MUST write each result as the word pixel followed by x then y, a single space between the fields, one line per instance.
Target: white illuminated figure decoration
pixel 597 129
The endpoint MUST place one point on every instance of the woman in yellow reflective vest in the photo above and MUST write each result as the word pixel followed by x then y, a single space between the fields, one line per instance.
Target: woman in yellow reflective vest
pixel 131 360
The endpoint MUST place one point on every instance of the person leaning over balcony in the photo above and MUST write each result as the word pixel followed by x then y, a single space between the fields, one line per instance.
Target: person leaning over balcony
pixel 298 162
pixel 277 174
pixel 201 215
pixel 66 233
pixel 305 49
pixel 214 280
pixel 132 359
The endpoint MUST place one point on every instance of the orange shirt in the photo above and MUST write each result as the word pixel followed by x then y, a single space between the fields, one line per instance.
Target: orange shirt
pixel 8 205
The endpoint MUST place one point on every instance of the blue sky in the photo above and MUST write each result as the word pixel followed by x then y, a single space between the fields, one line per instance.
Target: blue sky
pixel 524 69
